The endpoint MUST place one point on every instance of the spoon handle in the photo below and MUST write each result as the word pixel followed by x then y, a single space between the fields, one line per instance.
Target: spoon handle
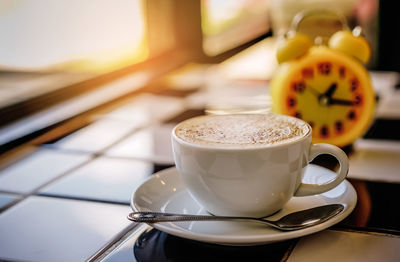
pixel 154 217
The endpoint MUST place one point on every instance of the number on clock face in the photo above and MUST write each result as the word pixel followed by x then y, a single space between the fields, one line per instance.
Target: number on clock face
pixel 328 96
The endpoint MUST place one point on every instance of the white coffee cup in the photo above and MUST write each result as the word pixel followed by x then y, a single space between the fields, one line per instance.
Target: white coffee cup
pixel 242 178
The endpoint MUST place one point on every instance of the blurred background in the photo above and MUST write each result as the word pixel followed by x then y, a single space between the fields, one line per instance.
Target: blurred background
pixel 54 51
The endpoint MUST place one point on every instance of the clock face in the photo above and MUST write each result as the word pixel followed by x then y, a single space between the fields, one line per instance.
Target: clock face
pixel 333 95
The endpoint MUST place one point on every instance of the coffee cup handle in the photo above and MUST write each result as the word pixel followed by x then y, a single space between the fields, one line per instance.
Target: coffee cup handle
pixel 319 149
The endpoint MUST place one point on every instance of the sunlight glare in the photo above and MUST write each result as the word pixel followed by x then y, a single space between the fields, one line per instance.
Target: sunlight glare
pixel 80 35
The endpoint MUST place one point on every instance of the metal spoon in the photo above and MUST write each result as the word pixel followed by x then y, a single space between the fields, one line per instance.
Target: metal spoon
pixel 293 221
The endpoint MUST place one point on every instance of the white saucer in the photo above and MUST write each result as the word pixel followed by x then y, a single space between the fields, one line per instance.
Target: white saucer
pixel 165 192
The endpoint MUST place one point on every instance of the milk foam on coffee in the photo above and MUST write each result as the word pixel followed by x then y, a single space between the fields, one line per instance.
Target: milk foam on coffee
pixel 241 130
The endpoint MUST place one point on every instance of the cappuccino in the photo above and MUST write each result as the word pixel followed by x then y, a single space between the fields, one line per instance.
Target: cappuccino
pixel 241 131
pixel 249 164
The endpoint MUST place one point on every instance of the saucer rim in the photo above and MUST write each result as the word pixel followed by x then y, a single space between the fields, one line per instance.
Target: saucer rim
pixel 244 240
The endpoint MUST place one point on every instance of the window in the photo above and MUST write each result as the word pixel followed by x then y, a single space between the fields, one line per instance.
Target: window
pixel 71 35
pixel 55 53
pixel 226 24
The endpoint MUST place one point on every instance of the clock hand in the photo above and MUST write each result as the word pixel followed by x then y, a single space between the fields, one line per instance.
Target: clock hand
pixel 342 102
pixel 330 90
pixel 313 91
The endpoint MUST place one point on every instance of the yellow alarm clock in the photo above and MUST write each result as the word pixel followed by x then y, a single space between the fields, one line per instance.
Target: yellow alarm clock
pixel 325 85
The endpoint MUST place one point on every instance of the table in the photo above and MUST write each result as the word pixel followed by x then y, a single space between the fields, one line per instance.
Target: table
pixel 65 196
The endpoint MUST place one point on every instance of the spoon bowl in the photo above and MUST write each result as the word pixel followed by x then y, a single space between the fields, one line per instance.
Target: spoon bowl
pixel 293 221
